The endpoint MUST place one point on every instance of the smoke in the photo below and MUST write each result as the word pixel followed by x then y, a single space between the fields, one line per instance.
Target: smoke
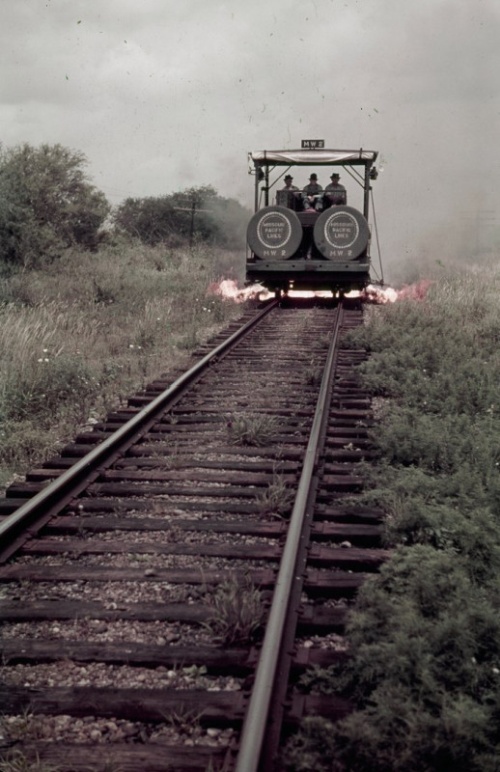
pixel 231 219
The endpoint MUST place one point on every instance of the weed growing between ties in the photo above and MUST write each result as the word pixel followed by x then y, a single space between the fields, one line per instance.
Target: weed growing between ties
pixel 424 634
pixel 83 332
pixel 252 429
pixel 184 720
pixel 277 499
pixel 16 761
pixel 18 729
pixel 24 727
pixel 314 375
pixel 237 611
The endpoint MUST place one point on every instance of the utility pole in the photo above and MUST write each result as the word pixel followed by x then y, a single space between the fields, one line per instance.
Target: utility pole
pixel 192 209
pixel 191 230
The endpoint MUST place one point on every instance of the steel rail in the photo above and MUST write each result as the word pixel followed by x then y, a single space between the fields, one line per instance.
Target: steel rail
pixel 69 484
pixel 254 725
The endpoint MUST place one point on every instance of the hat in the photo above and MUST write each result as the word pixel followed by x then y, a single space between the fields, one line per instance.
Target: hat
pixel 335 174
pixel 313 176
pixel 288 177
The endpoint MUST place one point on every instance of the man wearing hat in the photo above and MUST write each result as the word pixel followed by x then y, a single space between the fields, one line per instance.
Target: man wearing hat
pixel 288 183
pixel 310 194
pixel 335 192
pixel 287 195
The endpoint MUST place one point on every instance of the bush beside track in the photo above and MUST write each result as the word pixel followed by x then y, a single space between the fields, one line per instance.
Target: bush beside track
pixel 425 633
pixel 94 300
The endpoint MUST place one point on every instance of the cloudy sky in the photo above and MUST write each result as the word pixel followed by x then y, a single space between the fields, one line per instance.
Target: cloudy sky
pixel 161 95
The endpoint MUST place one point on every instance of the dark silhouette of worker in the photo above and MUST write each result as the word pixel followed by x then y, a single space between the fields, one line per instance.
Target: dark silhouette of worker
pixel 289 196
pixel 335 193
pixel 311 194
pixel 288 183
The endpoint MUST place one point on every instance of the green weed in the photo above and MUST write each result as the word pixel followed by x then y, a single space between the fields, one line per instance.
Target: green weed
pixel 313 748
pixel 237 611
pixel 20 728
pixel 16 761
pixel 256 429
pixel 277 498
pixel 183 719
pixel 424 672
pixel 314 374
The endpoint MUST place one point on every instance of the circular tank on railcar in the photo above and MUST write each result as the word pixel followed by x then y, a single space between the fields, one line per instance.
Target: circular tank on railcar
pixel 341 233
pixel 274 232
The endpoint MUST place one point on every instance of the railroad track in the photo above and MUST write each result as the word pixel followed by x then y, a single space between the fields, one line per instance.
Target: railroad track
pixel 168 577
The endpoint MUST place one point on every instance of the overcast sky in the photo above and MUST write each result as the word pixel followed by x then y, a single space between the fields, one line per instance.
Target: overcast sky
pixel 161 95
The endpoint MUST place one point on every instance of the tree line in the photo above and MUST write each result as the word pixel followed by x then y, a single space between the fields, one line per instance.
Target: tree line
pixel 48 204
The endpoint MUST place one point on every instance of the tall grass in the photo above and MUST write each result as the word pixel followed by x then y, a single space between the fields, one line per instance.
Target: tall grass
pixel 425 632
pixel 79 335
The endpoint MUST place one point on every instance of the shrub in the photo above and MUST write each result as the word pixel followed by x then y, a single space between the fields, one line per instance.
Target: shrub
pixel 192 216
pixel 424 673
pixel 424 633
pixel 46 204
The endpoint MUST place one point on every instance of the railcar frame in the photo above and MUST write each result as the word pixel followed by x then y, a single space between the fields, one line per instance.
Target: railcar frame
pixel 290 247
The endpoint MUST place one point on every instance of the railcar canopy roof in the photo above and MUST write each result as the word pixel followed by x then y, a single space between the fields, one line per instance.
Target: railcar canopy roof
pixel 313 157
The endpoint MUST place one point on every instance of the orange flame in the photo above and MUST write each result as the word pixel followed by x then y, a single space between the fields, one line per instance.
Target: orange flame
pixel 384 295
pixel 228 289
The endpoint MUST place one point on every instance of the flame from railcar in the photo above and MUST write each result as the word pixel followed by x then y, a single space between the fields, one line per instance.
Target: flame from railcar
pixel 228 290
pixel 384 295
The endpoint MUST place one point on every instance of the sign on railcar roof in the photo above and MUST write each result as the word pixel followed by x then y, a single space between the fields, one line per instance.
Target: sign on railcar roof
pixel 312 144
pixel 319 157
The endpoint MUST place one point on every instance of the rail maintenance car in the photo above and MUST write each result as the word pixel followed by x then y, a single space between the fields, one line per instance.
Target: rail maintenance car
pixel 317 242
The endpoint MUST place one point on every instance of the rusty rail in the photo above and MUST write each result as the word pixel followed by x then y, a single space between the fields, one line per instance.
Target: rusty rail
pixel 254 726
